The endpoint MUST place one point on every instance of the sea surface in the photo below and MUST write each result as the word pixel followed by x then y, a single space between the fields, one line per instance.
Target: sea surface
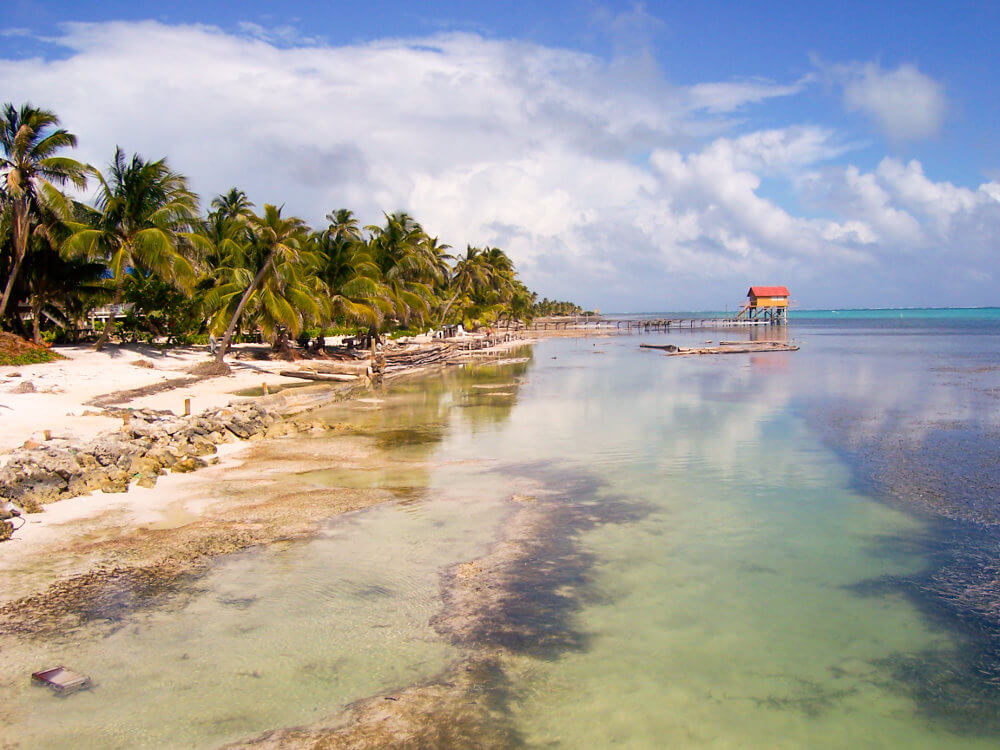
pixel 784 550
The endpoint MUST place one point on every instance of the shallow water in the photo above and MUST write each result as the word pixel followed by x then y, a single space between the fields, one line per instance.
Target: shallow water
pixel 730 609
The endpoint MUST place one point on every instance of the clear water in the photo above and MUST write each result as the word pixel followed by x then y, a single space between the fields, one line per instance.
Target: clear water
pixel 725 614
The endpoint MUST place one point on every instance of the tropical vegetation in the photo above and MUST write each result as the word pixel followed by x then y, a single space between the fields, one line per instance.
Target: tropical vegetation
pixel 142 253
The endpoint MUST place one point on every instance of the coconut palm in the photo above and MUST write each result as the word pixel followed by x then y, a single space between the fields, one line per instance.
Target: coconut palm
pixel 471 273
pixel 233 205
pixel 353 280
pixel 409 268
pixel 144 218
pixel 30 140
pixel 270 268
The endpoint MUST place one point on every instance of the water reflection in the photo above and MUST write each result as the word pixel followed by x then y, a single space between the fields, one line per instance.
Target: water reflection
pixel 708 570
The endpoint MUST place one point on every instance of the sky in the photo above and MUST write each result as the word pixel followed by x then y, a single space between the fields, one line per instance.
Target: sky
pixel 628 156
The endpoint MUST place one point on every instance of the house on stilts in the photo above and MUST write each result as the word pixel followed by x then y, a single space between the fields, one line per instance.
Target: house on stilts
pixel 765 304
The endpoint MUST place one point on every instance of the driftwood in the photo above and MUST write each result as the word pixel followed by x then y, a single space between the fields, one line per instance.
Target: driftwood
pixel 340 368
pixel 417 357
pixel 731 347
pixel 324 376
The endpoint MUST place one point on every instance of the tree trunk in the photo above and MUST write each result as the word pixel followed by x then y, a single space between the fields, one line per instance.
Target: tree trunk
pixel 36 319
pixel 20 250
pixel 447 308
pixel 231 328
pixel 109 326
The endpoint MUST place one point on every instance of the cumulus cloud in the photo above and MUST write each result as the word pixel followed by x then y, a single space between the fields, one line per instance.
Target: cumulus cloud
pixel 606 183
pixel 905 103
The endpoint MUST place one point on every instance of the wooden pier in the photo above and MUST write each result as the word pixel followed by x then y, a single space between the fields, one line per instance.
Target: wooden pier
pixel 633 325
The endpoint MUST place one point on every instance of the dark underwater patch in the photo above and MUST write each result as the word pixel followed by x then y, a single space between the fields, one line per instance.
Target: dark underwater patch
pixel 524 595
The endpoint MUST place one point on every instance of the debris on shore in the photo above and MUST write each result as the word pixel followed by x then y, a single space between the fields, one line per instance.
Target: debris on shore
pixel 725 347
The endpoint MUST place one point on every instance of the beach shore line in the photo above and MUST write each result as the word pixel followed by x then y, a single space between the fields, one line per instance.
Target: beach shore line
pixel 183 517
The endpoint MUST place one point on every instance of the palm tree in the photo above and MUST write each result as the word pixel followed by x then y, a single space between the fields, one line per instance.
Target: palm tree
pixel 233 205
pixel 144 218
pixel 352 279
pixel 470 274
pixel 279 249
pixel 410 269
pixel 30 140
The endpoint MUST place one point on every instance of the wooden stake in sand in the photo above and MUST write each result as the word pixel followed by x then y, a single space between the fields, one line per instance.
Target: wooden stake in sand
pixel 263 387
pixel 187 407
pixel 47 434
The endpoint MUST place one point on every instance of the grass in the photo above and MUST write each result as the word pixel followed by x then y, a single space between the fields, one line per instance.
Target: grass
pixel 15 351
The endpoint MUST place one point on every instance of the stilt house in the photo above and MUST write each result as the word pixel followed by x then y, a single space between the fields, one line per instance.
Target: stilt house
pixel 766 303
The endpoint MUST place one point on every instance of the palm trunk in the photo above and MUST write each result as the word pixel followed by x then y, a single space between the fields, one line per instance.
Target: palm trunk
pixel 447 308
pixel 231 328
pixel 36 319
pixel 109 326
pixel 20 250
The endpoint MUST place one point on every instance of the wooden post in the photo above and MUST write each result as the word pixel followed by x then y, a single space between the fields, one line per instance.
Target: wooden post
pixel 47 434
pixel 126 418
pixel 263 388
pixel 187 407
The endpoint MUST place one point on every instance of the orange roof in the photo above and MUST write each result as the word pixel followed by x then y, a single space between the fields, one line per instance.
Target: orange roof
pixel 768 291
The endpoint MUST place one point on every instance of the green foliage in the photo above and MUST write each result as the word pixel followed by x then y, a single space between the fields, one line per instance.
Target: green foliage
pixel 157 309
pixel 548 308
pixel 34 357
pixel 235 272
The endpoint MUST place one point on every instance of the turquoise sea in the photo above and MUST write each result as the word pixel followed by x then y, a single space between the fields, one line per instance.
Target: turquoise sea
pixel 777 550
pixel 958 314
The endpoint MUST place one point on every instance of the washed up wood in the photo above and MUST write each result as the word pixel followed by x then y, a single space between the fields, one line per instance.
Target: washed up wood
pixel 62 680
pixel 321 376
pixel 418 357
pixel 340 368
pixel 727 347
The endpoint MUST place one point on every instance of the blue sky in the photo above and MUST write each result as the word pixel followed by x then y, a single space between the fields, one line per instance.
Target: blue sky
pixel 627 155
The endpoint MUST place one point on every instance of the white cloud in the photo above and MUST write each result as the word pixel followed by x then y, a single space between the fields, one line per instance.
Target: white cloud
pixel 596 176
pixel 905 103
pixel 728 96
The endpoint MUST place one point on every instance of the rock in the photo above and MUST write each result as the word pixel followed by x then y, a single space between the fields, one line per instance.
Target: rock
pixel 188 464
pixel 61 462
pixel 35 486
pixel 86 461
pixel 201 446
pixel 241 428
pixel 164 457
pixel 147 480
pixel 279 429
pixel 6 529
pixel 115 480
pixel 90 480
pixel 26 387
pixel 149 442
pixel 174 426
pixel 145 466
pixel 107 449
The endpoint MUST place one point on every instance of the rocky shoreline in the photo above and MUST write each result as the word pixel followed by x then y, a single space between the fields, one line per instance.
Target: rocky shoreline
pixel 149 444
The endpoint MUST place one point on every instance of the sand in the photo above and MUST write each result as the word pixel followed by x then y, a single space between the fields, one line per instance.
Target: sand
pixel 64 388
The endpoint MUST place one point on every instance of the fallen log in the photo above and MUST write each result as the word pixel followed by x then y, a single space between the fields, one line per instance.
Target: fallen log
pixel 322 376
pixel 341 368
